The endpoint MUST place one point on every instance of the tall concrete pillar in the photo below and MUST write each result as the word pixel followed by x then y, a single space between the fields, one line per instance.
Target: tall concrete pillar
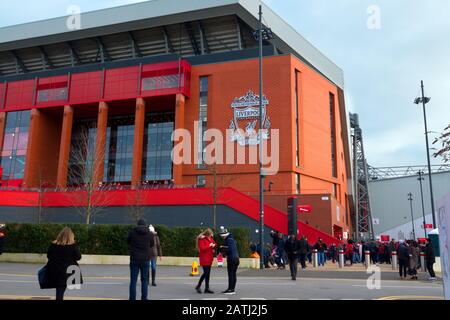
pixel 42 150
pixel 64 147
pixel 138 143
pixel 179 124
pixel 100 142
pixel 32 164
pixel 2 134
pixel 2 129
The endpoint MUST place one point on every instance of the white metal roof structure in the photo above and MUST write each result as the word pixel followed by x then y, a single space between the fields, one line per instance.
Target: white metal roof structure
pixel 125 31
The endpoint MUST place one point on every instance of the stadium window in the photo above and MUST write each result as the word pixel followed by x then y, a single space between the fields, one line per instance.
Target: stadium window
pixel 52 94
pixel 333 136
pixel 14 150
pixel 297 98
pixel 201 181
pixel 202 120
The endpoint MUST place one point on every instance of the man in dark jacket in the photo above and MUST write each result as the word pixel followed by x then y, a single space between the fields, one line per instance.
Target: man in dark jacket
pixel 292 248
pixel 230 249
pixel 2 237
pixel 303 251
pixel 430 259
pixel 140 243
pixel 403 259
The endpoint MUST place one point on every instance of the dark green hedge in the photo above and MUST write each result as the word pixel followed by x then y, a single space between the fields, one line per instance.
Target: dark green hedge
pixel 111 239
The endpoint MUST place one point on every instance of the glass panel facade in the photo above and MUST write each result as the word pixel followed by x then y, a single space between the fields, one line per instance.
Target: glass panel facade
pixel 202 120
pixel 162 82
pixel 333 136
pixel 297 142
pixel 55 94
pixel 119 150
pixel 82 152
pixel 15 143
pixel 158 145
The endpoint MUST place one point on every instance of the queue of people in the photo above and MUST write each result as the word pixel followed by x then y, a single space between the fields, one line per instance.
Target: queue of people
pixel 144 248
pixel 292 252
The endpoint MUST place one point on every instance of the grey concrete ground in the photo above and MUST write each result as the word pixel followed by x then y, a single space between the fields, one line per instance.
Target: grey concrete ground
pixel 19 281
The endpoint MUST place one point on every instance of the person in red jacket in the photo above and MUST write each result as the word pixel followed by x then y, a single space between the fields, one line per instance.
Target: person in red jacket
pixel 205 246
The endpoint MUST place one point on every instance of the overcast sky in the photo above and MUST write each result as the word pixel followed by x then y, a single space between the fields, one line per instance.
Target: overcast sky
pixel 383 67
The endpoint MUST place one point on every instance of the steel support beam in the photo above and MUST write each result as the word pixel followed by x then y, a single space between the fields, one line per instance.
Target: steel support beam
pixel 239 33
pixel 19 61
pixel 169 45
pixel 45 58
pixel 364 224
pixel 205 46
pixel 191 35
pixel 136 51
pixel 74 57
pixel 103 52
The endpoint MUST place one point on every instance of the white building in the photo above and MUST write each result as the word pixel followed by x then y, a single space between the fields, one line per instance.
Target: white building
pixel 391 210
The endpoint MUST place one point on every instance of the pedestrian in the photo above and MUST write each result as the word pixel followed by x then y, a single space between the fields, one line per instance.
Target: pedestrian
pixel 414 254
pixel 2 237
pixel 403 259
pixel 280 252
pixel 140 243
pixel 303 251
pixel 231 251
pixel 155 253
pixel 325 251
pixel 62 254
pixel 292 248
pixel 333 251
pixel 205 246
pixel 320 252
pixel 310 252
pixel 364 248
pixel 373 248
pixel 349 251
pixel 430 259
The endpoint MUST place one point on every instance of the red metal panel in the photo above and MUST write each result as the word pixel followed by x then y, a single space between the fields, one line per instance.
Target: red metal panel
pixel 85 87
pixel 121 83
pixel 52 82
pixel 20 95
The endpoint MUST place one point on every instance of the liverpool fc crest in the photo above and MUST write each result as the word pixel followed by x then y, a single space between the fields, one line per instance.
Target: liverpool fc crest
pixel 246 119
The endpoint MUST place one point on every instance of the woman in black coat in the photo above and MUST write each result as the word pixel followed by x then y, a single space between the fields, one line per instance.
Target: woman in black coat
pixel 62 254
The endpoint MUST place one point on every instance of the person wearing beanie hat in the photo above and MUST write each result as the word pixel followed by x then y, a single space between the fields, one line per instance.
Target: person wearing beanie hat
pixel 229 249
pixel 140 243
pixel 155 253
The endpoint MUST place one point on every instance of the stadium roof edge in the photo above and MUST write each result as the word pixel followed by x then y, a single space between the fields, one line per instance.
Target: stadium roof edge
pixel 164 12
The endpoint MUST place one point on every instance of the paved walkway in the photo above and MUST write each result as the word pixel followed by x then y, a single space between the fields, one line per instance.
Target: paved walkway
pixel 19 281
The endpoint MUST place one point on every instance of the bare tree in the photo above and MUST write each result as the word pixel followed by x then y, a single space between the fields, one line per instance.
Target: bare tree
pixel 136 206
pixel 90 197
pixel 220 180
pixel 41 189
pixel 444 142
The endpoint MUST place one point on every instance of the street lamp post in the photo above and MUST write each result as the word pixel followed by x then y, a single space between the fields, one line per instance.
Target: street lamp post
pixel 421 178
pixel 424 100
pixel 260 35
pixel 412 215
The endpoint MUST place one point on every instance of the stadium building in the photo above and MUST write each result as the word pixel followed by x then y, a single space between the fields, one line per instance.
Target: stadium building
pixel 106 90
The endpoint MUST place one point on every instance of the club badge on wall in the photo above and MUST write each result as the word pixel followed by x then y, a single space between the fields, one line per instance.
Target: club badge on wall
pixel 246 119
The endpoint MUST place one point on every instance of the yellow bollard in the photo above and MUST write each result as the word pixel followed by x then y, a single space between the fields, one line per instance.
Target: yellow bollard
pixel 194 271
